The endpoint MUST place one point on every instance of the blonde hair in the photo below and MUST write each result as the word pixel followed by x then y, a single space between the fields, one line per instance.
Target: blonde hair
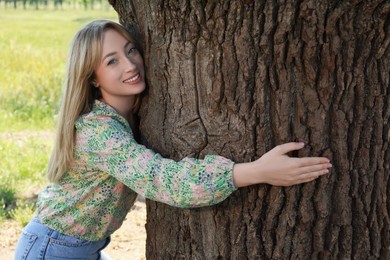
pixel 79 94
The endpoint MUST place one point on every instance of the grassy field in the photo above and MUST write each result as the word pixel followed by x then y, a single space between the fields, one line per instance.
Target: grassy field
pixel 33 49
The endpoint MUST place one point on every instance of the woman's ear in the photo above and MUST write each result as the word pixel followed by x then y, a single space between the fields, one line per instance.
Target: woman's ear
pixel 95 84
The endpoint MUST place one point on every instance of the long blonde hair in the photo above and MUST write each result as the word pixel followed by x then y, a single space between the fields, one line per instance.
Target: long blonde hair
pixel 79 94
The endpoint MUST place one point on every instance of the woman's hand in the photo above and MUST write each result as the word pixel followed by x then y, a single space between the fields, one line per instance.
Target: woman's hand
pixel 277 168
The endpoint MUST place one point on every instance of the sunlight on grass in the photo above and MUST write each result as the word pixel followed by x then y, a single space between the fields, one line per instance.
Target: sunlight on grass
pixel 29 153
pixel 23 213
pixel 24 159
pixel 33 49
pixel 23 163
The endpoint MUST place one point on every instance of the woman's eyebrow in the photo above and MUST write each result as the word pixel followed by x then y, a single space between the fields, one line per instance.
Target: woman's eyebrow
pixel 109 54
pixel 114 52
pixel 127 44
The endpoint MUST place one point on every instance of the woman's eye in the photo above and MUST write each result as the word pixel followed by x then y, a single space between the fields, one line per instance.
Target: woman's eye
pixel 132 50
pixel 112 61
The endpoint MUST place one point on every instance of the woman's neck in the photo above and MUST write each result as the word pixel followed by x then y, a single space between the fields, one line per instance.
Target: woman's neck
pixel 122 105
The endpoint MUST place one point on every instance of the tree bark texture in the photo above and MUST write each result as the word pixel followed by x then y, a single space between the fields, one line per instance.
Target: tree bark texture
pixel 236 78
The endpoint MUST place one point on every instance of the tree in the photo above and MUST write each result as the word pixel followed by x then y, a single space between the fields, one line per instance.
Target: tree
pixel 239 77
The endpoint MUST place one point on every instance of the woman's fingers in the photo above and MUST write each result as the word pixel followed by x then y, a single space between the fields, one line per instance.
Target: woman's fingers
pixel 308 161
pixel 315 166
pixel 309 169
pixel 288 147
pixel 312 175
pixel 293 146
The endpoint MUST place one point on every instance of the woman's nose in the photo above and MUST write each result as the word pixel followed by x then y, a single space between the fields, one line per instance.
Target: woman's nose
pixel 130 64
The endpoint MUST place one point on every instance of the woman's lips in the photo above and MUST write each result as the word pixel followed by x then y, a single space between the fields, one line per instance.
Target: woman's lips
pixel 133 80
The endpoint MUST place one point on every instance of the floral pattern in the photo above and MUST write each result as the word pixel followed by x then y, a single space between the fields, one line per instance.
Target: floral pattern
pixel 110 168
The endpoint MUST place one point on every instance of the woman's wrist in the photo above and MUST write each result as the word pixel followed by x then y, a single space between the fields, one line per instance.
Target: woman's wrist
pixel 245 174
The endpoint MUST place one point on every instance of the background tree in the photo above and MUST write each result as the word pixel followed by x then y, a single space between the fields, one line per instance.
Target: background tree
pixel 239 77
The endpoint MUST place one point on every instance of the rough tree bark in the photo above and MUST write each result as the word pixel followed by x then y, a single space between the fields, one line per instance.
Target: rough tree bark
pixel 239 77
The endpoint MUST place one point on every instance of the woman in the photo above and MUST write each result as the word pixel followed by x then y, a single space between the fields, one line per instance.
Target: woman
pixel 97 168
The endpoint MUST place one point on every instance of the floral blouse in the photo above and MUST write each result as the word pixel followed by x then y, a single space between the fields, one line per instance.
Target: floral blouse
pixel 110 168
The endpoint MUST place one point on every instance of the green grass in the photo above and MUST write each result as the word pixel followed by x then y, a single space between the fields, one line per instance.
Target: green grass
pixel 23 161
pixel 33 49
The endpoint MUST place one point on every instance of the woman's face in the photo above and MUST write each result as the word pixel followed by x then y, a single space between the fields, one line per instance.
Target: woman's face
pixel 120 74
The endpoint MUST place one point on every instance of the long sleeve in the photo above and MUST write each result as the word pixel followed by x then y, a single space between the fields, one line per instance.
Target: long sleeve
pixel 107 143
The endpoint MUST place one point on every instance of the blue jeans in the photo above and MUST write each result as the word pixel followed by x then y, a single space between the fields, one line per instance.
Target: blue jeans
pixel 38 241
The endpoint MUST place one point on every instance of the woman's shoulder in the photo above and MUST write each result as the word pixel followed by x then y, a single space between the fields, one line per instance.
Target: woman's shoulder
pixel 101 115
pixel 100 127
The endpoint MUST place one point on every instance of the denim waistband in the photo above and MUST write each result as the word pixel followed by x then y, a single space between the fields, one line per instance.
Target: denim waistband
pixel 39 241
pixel 36 224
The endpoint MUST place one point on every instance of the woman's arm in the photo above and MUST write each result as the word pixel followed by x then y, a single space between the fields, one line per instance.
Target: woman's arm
pixel 277 168
pixel 104 143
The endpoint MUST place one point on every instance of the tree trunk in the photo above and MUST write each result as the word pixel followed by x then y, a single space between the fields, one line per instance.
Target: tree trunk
pixel 236 78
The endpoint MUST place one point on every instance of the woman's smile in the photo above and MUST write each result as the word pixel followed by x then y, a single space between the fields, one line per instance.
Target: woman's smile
pixel 134 79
